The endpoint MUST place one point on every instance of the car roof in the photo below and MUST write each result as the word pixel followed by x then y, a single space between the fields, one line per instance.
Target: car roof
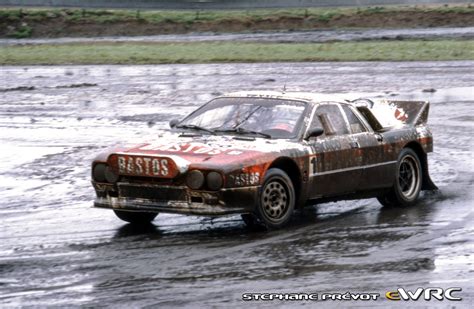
pixel 300 96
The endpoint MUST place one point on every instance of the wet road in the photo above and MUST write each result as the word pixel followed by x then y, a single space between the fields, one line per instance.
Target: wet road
pixel 56 250
pixel 309 36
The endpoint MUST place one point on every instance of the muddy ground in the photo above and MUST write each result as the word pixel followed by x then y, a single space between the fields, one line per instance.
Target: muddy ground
pixel 66 24
pixel 310 36
pixel 57 250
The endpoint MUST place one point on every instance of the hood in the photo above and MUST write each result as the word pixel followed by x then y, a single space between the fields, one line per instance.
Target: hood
pixel 174 153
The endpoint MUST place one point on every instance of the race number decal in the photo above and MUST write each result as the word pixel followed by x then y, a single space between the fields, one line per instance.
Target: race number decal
pixel 312 165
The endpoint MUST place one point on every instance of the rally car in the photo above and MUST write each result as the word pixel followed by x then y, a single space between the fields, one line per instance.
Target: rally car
pixel 265 154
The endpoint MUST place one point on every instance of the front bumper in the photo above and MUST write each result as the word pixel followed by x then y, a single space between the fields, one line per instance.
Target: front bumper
pixel 180 200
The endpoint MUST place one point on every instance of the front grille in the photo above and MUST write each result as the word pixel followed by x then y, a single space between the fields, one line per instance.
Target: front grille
pixel 152 192
pixel 154 180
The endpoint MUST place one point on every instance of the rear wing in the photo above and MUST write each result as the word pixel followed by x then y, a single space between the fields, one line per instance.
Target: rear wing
pixel 383 114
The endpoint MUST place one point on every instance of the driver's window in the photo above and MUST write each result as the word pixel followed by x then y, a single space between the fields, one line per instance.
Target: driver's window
pixel 331 119
pixel 316 122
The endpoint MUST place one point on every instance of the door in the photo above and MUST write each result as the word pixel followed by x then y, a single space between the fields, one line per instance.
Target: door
pixel 335 166
pixel 377 167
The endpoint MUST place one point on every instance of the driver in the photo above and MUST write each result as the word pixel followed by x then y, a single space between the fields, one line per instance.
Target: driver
pixel 282 126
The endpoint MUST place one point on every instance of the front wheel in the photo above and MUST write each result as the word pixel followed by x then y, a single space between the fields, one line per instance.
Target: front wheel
pixel 135 217
pixel 276 199
pixel 407 185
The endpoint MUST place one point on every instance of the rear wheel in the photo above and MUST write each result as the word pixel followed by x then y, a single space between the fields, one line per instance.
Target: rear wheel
pixel 407 185
pixel 135 217
pixel 276 199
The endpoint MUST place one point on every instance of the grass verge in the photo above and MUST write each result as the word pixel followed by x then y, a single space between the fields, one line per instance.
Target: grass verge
pixel 47 22
pixel 208 52
pixel 190 16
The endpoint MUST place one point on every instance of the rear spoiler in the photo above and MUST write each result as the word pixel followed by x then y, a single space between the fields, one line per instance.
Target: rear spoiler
pixel 383 114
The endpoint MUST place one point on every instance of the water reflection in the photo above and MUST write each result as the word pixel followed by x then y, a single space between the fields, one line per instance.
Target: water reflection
pixel 128 230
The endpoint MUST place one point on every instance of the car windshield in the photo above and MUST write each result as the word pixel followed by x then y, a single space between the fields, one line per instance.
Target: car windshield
pixel 271 118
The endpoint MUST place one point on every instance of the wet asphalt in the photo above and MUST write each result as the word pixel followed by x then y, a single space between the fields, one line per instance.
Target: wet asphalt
pixel 55 250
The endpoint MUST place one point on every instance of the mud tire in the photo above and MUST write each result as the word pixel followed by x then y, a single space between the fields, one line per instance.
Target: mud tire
pixel 276 199
pixel 408 181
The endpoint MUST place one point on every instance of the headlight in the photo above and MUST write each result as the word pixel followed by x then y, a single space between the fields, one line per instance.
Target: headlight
pixel 195 179
pixel 110 175
pixel 214 180
pixel 98 173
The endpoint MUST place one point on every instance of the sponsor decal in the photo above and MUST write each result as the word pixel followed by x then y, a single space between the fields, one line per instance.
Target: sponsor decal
pixel 143 166
pixel 244 179
pixel 247 176
pixel 191 148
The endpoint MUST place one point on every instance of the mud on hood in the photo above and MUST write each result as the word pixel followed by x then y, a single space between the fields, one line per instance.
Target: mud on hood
pixel 173 154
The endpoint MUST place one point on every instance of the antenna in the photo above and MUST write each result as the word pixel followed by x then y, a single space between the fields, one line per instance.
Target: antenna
pixel 284 84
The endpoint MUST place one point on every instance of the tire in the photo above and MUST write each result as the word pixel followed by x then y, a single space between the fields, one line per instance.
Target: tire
pixel 135 217
pixel 276 199
pixel 407 184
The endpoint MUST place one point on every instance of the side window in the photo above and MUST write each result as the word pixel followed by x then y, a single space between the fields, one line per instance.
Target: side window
pixel 332 120
pixel 354 122
pixel 316 122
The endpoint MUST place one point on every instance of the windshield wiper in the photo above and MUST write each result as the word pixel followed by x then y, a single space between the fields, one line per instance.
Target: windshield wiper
pixel 194 127
pixel 244 131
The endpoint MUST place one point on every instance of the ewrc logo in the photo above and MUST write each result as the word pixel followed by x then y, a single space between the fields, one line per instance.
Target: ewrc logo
pixel 428 294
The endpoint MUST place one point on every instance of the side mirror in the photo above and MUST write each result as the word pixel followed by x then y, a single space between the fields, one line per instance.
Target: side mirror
pixel 173 123
pixel 314 133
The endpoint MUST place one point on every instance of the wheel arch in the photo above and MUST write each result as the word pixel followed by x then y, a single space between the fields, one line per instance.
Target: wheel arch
pixel 290 167
pixel 427 183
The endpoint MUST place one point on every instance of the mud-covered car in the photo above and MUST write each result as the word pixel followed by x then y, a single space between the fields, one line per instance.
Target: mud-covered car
pixel 265 154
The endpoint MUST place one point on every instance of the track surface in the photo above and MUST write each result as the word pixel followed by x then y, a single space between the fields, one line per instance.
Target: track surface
pixel 56 250
pixel 309 36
